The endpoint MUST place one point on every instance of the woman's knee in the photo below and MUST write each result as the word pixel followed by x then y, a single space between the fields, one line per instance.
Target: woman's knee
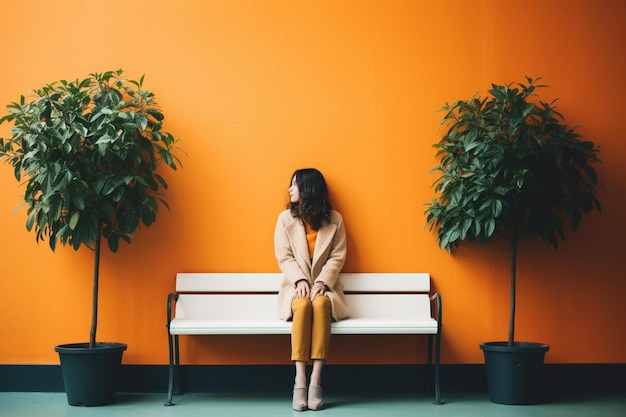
pixel 301 304
pixel 321 302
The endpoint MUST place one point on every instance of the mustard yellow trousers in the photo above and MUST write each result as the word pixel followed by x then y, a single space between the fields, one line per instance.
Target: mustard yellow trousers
pixel 310 333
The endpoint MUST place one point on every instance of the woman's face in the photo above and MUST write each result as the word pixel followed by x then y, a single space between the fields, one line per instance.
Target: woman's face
pixel 294 192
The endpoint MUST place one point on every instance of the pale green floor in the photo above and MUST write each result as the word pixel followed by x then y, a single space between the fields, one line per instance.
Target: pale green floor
pixel 277 405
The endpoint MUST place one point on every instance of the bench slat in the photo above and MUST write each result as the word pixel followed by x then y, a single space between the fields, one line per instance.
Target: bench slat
pixel 389 306
pixel 382 326
pixel 385 282
pixel 227 282
pixel 270 282
pixel 225 327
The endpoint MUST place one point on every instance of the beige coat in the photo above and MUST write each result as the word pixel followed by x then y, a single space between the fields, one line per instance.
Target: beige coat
pixel 292 254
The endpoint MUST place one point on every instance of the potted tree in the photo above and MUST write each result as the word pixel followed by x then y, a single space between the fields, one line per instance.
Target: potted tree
pixel 511 167
pixel 89 151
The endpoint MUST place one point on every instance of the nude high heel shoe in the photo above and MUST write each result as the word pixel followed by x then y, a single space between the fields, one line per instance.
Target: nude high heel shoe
pixel 299 399
pixel 315 398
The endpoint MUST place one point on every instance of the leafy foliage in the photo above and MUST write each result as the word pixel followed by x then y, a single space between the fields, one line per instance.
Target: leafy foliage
pixel 508 166
pixel 89 151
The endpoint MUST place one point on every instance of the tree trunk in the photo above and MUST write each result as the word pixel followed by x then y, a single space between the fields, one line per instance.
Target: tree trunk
pixel 94 308
pixel 514 241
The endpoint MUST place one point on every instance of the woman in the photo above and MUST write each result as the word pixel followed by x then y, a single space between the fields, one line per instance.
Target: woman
pixel 310 246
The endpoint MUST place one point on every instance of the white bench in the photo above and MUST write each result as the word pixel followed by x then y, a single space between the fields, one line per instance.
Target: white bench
pixel 380 304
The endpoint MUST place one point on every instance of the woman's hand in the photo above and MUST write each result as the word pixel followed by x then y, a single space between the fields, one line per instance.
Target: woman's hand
pixel 302 289
pixel 319 288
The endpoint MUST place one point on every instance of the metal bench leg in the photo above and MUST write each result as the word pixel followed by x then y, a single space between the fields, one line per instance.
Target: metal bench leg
pixel 177 390
pixel 437 355
pixel 437 347
pixel 170 384
pixel 429 366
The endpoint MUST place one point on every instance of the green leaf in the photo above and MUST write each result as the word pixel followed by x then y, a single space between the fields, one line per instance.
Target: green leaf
pixel 141 119
pixel 108 187
pixel 155 113
pixel 490 227
pixel 113 243
pixel 497 208
pixel 78 200
pixel 74 219
pixel 30 220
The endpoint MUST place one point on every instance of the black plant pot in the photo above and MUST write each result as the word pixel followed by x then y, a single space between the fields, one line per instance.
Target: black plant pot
pixel 90 375
pixel 514 373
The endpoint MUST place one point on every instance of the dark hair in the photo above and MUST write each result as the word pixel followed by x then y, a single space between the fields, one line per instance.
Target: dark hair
pixel 314 205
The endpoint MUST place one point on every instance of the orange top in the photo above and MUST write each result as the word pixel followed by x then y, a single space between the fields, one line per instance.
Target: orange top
pixel 311 237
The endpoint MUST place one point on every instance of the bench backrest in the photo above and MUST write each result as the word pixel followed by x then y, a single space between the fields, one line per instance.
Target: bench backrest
pixel 237 296
pixel 190 282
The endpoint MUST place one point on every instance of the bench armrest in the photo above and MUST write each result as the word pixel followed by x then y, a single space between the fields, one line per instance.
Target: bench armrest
pixel 437 297
pixel 171 298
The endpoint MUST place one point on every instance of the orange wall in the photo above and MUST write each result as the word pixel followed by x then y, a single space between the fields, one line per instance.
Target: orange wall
pixel 260 88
